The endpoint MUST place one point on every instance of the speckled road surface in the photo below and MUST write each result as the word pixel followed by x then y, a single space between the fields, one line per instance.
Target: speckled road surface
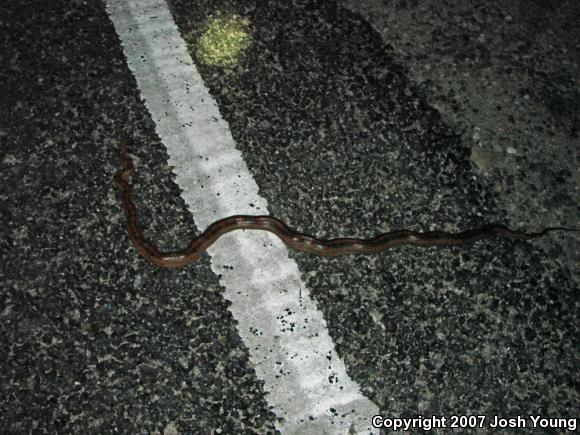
pixel 345 135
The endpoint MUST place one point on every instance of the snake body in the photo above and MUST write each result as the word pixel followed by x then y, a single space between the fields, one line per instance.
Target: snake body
pixel 292 238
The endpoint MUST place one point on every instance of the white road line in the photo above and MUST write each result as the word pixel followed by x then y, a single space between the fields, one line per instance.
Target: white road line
pixel 278 321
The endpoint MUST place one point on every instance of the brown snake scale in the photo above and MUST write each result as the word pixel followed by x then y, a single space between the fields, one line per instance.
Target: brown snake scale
pixel 290 237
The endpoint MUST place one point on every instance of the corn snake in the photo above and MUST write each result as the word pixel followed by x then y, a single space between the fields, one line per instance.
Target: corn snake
pixel 292 238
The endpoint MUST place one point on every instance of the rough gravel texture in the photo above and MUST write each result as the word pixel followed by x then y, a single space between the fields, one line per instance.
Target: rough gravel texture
pixel 445 118
pixel 487 330
pixel 507 76
pixel 93 339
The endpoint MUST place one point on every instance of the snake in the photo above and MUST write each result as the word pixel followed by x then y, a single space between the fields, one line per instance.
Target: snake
pixel 292 238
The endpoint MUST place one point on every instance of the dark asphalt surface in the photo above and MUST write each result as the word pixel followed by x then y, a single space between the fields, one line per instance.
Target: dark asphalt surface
pixel 342 143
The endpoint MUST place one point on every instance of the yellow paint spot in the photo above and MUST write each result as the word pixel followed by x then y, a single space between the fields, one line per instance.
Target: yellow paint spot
pixel 225 41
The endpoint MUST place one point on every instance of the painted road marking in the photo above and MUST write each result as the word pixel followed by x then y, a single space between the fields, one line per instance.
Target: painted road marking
pixel 278 321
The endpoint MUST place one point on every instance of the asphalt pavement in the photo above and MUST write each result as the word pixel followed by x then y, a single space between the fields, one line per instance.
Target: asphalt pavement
pixel 353 118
